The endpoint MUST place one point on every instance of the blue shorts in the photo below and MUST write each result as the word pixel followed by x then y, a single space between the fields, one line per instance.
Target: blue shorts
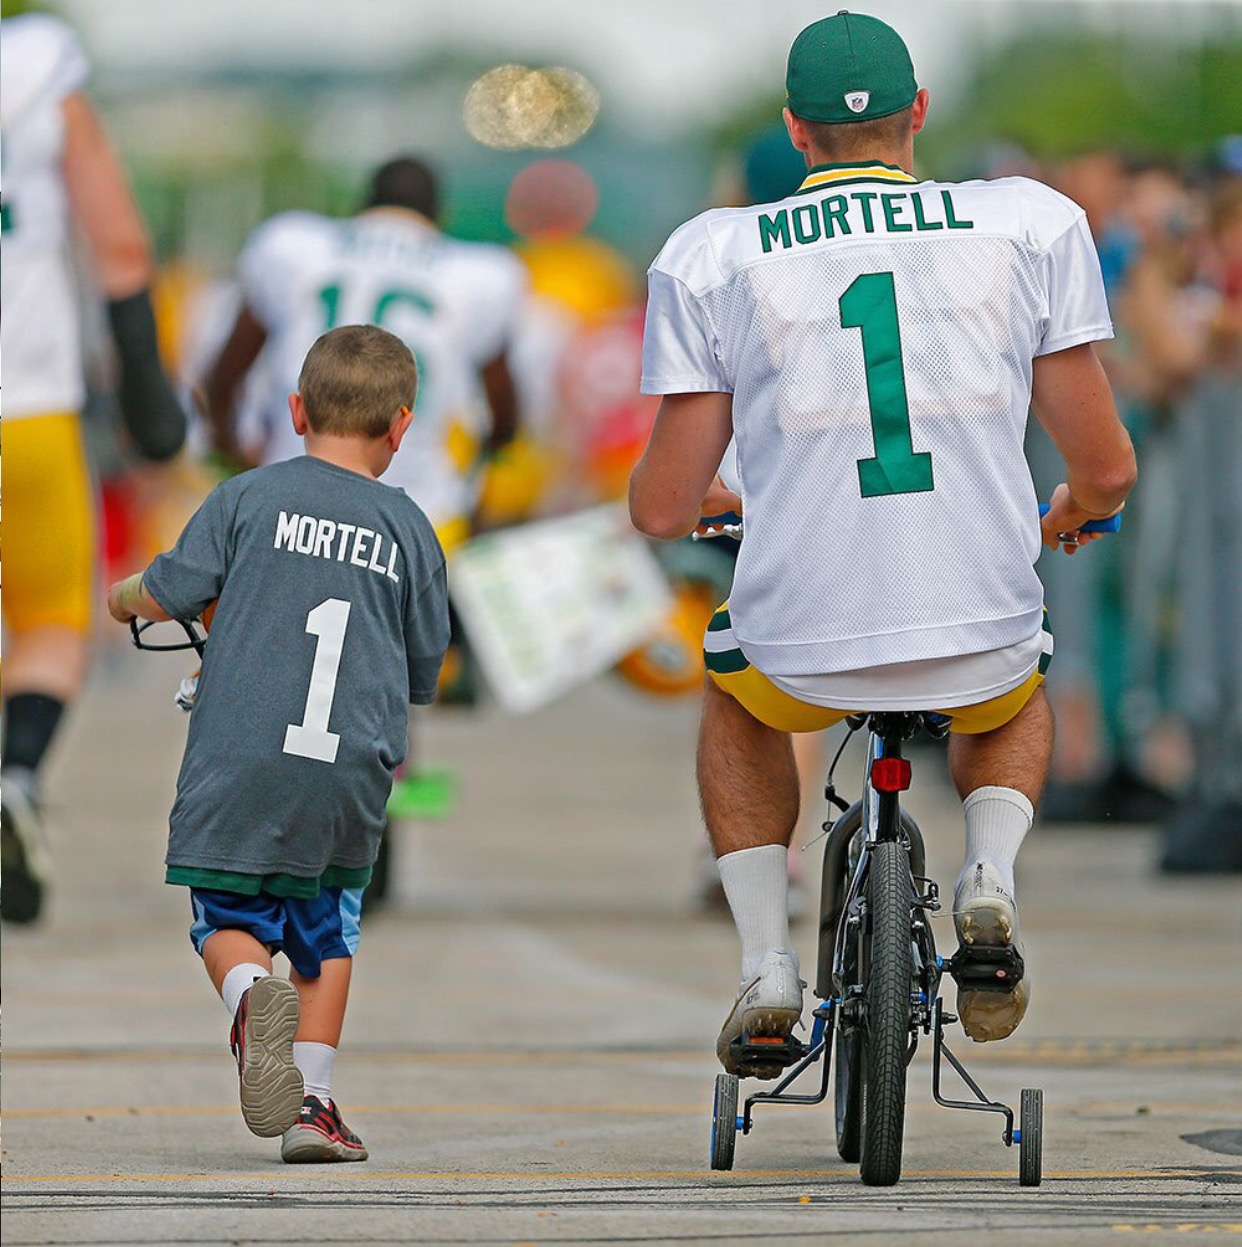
pixel 308 932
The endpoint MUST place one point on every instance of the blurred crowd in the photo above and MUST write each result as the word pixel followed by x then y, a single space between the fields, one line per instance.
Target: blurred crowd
pixel 1147 681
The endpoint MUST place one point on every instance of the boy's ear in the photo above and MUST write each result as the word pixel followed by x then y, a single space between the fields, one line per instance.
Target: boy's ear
pixel 397 430
pixel 297 409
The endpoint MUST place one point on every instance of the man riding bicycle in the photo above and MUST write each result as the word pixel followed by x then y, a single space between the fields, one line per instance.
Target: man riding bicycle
pixel 873 344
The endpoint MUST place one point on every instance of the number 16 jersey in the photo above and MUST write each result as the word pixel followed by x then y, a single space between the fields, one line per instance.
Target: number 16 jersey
pixel 454 304
pixel 877 334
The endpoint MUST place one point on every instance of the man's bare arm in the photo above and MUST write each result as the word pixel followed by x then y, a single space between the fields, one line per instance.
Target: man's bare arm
pixel 224 378
pixel 502 403
pixel 1072 400
pixel 678 468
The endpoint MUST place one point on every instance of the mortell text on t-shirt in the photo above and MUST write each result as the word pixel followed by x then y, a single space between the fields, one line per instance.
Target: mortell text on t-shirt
pixel 334 539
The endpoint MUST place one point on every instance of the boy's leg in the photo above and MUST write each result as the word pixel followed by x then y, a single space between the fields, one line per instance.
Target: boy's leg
pixel 264 1007
pixel 323 1001
pixel 234 960
pixel 319 1030
pixel 319 1133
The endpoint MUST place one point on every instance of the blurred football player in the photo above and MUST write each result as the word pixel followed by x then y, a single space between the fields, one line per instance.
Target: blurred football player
pixel 453 303
pixel 59 172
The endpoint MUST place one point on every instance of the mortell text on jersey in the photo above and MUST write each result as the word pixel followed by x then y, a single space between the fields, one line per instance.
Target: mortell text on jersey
pixel 334 539
pixel 867 212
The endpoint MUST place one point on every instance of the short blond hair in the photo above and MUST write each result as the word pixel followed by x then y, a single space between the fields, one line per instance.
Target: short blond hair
pixel 355 380
pixel 858 140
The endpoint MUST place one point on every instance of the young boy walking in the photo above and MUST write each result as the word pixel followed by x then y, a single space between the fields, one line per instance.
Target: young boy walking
pixel 332 614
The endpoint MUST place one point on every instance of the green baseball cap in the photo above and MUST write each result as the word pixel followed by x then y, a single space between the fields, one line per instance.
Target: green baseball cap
pixel 849 68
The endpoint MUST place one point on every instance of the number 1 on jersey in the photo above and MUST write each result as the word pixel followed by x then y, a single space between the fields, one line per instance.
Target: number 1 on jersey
pixel 311 738
pixel 870 304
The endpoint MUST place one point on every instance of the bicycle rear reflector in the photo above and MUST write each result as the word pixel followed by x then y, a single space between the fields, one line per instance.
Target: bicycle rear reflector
pixel 890 774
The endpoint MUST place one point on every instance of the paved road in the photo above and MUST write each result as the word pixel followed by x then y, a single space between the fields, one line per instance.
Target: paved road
pixel 529 1053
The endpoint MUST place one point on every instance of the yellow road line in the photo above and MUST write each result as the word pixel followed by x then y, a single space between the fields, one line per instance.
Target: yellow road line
pixel 636 1175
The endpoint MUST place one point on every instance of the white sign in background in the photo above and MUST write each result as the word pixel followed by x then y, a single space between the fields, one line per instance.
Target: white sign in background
pixel 549 605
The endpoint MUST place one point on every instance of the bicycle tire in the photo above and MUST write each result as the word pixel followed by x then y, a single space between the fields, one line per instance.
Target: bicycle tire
pixel 886 1031
pixel 1031 1144
pixel 724 1121
pixel 848 1095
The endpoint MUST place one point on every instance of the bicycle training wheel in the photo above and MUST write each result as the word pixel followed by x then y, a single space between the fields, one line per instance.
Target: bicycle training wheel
pixel 886 1033
pixel 1031 1142
pixel 724 1121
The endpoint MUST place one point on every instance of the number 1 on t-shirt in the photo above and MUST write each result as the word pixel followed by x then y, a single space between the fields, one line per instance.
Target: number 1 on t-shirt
pixel 311 738
pixel 870 304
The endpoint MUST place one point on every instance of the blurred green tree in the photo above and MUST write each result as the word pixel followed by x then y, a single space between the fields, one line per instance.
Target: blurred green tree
pixel 1059 94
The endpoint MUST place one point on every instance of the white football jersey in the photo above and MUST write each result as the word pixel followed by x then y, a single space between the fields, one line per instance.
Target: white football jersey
pixel 453 303
pixel 41 64
pixel 877 335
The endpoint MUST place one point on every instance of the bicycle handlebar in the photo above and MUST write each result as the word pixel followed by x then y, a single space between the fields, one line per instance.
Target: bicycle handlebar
pixel 729 524
pixel 1110 525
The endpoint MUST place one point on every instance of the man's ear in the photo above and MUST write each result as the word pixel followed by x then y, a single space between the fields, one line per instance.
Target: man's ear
pixel 397 430
pixel 297 409
pixel 797 131
pixel 918 115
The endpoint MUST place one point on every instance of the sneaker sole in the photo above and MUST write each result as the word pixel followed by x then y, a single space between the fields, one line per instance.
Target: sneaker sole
pixel 988 1016
pixel 271 1084
pixel 309 1147
pixel 766 1023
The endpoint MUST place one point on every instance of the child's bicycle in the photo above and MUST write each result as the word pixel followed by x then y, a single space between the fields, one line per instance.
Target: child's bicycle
pixel 878 975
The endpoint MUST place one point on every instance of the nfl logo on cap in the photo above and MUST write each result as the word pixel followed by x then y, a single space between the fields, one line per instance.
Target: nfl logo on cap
pixel 857 101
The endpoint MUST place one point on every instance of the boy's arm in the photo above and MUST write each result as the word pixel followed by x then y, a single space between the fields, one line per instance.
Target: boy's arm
pixel 427 637
pixel 128 599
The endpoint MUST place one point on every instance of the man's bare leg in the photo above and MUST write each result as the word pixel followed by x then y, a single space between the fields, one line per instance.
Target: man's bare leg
pixel 1016 755
pixel 999 776
pixel 748 785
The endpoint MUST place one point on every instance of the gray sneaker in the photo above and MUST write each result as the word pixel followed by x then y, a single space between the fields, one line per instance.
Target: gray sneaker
pixel 985 916
pixel 768 1006
pixel 264 1026
pixel 320 1135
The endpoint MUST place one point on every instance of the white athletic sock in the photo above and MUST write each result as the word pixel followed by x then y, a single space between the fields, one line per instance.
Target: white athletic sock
pixel 238 981
pixel 756 882
pixel 315 1062
pixel 997 820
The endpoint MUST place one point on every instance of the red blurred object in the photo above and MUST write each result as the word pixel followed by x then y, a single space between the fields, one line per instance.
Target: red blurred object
pixel 551 199
pixel 119 526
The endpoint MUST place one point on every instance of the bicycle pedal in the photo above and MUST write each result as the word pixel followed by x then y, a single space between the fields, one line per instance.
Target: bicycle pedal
pixel 764 1054
pixel 986 967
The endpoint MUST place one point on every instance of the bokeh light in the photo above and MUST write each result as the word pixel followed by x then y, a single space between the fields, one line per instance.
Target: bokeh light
pixel 513 107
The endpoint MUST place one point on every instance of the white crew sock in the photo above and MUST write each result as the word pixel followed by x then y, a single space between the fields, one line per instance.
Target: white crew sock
pixel 238 981
pixel 315 1062
pixel 756 882
pixel 997 820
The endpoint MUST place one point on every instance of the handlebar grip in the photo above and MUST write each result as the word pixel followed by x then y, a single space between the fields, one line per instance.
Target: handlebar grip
pixel 1110 525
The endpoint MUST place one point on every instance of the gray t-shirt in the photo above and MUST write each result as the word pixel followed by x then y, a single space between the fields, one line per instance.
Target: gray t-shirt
pixel 333 613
